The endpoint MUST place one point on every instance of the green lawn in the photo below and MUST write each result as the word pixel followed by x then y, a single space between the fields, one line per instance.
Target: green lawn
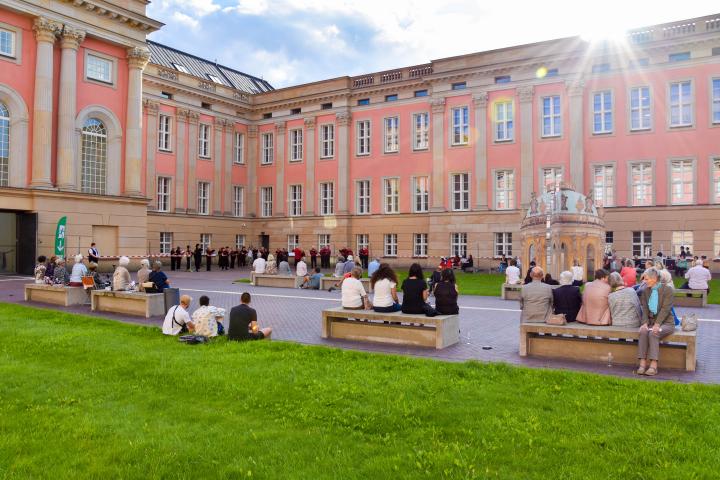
pixel 90 398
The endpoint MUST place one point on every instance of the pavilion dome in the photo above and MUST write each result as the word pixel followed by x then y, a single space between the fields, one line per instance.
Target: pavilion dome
pixel 564 205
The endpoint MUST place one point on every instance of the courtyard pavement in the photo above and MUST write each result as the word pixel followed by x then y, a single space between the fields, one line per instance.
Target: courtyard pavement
pixel 295 315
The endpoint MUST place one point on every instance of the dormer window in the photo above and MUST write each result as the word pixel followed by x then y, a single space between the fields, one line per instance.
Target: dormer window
pixel 180 68
pixel 214 79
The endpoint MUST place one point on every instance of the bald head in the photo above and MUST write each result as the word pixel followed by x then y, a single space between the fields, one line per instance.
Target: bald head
pixel 537 273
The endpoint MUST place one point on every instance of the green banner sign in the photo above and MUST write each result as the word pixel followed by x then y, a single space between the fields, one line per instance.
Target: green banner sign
pixel 60 237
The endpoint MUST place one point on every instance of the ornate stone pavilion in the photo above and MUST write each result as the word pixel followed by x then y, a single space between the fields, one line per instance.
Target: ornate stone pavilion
pixel 562 226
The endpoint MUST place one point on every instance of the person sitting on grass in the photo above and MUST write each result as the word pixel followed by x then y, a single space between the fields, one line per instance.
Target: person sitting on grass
pixel 243 322
pixel 353 292
pixel 657 321
pixel 121 276
pixel 446 294
pixel 384 284
pixel 177 319
pixel 312 282
pixel 60 276
pixel 415 291
pixel 271 266
pixel 208 319
pixel 158 278
pixel 79 270
pixel 40 270
pixel 143 275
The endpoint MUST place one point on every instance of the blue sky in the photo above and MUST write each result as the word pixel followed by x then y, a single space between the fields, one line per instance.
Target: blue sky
pixel 289 42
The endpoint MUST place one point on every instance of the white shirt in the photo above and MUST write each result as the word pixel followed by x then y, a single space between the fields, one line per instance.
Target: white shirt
pixel 259 265
pixel 301 269
pixel 697 277
pixel 79 270
pixel 512 275
pixel 206 319
pixel 93 252
pixel 352 293
pixel 383 293
pixel 577 272
pixel 181 316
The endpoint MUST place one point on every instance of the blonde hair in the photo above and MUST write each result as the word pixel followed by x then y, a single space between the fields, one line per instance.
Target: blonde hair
pixel 78 258
pixel 145 263
pixel 186 299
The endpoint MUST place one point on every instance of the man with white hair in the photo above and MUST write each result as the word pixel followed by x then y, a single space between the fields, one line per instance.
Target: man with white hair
pixel 698 277
pixel 567 299
pixel 79 270
pixel 121 276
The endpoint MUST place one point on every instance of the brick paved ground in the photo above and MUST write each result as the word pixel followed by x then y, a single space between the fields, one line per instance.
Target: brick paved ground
pixel 484 321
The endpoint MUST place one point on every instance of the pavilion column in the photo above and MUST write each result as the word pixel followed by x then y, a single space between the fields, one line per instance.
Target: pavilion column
pixel 252 158
pixel 525 96
pixel 227 167
pixel 192 200
pixel 280 202
pixel 343 120
pixel 577 164
pixel 218 166
pixel 137 59
pixel 67 173
pixel 481 181
pixel 45 32
pixel 438 160
pixel 151 108
pixel 180 200
pixel 309 139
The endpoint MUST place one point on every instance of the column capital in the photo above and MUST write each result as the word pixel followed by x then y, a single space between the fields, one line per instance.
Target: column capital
pixel 437 105
pixel 480 100
pixel 309 123
pixel 343 118
pixel 252 131
pixel 45 30
pixel 280 127
pixel 151 107
pixel 575 87
pixel 71 37
pixel 138 57
pixel 525 93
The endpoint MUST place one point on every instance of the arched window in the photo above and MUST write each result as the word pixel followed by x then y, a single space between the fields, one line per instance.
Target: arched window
pixel 94 157
pixel 4 146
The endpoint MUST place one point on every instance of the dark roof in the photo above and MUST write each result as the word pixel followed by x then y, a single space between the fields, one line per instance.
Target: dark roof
pixel 167 56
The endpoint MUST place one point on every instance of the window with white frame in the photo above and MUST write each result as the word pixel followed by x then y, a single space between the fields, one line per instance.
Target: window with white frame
pixel 293 242
pixel 504 123
pixel 203 198
pixel 296 145
pixel 604 185
pixel 458 244
pixel 602 112
pixel 204 141
pixel 323 240
pixel 238 201
pixel 641 181
pixel 362 240
pixel 421 194
pixel 551 176
pixel 7 43
pixel 681 182
pixel 94 157
pixel 295 193
pixel 551 116
pixel 681 104
pixel 421 131
pixel 98 68
pixel 163 194
pixel 642 244
pixel 420 245
pixel 716 179
pixel 164 130
pixel 390 245
pixel 327 141
pixel 392 195
pixel 609 241
pixel 205 241
pixel 682 239
pixel 392 134
pixel 4 146
pixel 362 195
pixel 504 190
pixel 503 244
pixel 363 137
pixel 166 240
pixel 239 158
pixel 327 198
pixel 180 68
pixel 640 116
pixel 266 201
pixel 267 148
pixel 214 78
pixel 460 191
pixel 460 126
pixel 239 241
pixel 715 101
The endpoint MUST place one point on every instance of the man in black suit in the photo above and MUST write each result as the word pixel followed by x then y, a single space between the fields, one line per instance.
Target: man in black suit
pixel 243 322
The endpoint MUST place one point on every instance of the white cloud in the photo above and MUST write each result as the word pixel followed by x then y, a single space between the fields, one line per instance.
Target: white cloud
pixel 183 19
pixel 249 7
pixel 193 8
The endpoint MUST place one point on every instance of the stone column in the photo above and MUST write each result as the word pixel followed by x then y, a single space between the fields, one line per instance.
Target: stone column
pixel 180 200
pixel 343 120
pixel 191 201
pixel 227 167
pixel 577 162
pixel 45 32
pixel 280 200
pixel 525 97
pixel 252 158
pixel 438 145
pixel 217 190
pixel 481 181
pixel 151 108
pixel 137 59
pixel 309 139
pixel 67 105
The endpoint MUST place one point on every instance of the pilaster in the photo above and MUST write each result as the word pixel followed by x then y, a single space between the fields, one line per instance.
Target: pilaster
pixel 280 200
pixel 67 173
pixel 252 159
pixel 181 205
pixel 193 121
pixel 343 120
pixel 438 145
pixel 227 167
pixel 137 59
pixel 218 184
pixel 309 138
pixel 151 109
pixel 577 162
pixel 525 97
pixel 480 101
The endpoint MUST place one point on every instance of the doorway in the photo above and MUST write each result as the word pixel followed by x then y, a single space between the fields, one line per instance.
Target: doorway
pixel 265 241
pixel 18 240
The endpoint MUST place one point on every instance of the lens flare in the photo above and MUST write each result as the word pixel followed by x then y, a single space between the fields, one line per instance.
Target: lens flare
pixel 541 72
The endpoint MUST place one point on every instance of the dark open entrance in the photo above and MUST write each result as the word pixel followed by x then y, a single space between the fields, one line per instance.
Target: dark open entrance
pixel 18 242
pixel 265 241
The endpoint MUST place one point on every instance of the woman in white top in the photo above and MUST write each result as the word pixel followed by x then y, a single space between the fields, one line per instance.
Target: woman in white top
pixel 79 270
pixel 384 284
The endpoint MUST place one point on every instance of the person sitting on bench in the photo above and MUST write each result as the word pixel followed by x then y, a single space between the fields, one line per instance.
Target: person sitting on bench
pixel 657 321
pixel 312 282
pixel 697 278
pixel 243 322
pixel 121 276
pixel 512 273
pixel 177 319
pixel 353 292
pixel 384 284
pixel 158 278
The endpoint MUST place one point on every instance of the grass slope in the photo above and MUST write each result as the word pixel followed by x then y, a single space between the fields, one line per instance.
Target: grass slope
pixel 90 398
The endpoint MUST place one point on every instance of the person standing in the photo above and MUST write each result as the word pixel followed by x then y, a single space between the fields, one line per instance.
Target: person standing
pixel 198 256
pixel 233 257
pixel 325 257
pixel 188 257
pixel 313 257
pixel 297 252
pixel 364 254
pixel 373 266
pixel 301 267
pixel 93 254
pixel 209 252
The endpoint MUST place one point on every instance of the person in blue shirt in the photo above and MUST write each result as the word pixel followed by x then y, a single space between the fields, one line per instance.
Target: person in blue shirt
pixel 158 278
pixel 373 266
pixel 312 282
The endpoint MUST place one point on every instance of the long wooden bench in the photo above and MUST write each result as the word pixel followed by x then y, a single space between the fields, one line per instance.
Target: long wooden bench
pixel 511 292
pixel 690 298
pixel 130 303
pixel 403 329
pixel 327 282
pixel 577 341
pixel 55 294
pixel 282 281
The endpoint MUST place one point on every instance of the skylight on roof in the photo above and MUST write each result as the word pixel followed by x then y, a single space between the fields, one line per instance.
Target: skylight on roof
pixel 214 78
pixel 180 68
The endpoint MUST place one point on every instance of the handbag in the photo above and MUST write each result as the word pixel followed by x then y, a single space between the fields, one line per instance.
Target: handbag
pixel 557 319
pixel 689 322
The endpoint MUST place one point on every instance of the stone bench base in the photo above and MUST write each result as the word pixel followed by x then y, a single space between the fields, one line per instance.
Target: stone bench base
pixel 327 282
pixel 511 292
pixel 281 281
pixel 690 298
pixel 130 303
pixel 55 295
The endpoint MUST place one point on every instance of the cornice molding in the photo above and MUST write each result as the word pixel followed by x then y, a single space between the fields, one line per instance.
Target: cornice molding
pixel 120 15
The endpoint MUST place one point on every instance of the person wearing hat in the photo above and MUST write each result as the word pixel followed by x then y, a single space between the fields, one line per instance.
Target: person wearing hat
pixel 349 264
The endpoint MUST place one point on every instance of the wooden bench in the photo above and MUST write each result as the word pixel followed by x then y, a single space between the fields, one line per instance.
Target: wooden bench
pixel 594 343
pixel 369 326
pixel 282 281
pixel 511 292
pixel 55 294
pixel 690 298
pixel 327 282
pixel 130 303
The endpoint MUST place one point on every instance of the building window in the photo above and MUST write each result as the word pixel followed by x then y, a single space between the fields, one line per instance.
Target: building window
pixel 681 182
pixel 204 198
pixel 681 239
pixel 601 68
pixel 679 57
pixel 239 241
pixel 326 106
pixel 204 141
pixel 295 111
pixel 602 112
pixel 551 176
pixel 267 115
pixel 551 120
pixel 180 68
pixel 641 181
pixel 681 112
pixel 7 43
pixel 296 145
pixel 163 194
pixel 166 240
pixel 94 157
pixel 327 141
pixel 459 86
pixel 421 194
pixel 504 124
pixel 458 244
pixel 390 245
pixel 98 68
pixel 716 179
pixel 642 244
pixel 391 98
pixel 238 201
pixel 604 185
pixel 552 72
pixel 295 200
pixel 362 241
pixel 460 126
pixel 640 117
pixel 503 79
pixel 392 195
pixel 293 243
pixel 716 100
pixel 327 198
pixel 363 137
pixel 362 191
pixel 609 241
pixel 266 201
pixel 4 146
pixel 392 130
pixel 214 79
pixel 267 148
pixel 239 148
pixel 363 101
pixel 323 240
pixel 164 129
pixel 205 241
pixel 503 244
pixel 504 190
pixel 421 93
pixel 421 128
pixel 420 245
pixel 460 191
